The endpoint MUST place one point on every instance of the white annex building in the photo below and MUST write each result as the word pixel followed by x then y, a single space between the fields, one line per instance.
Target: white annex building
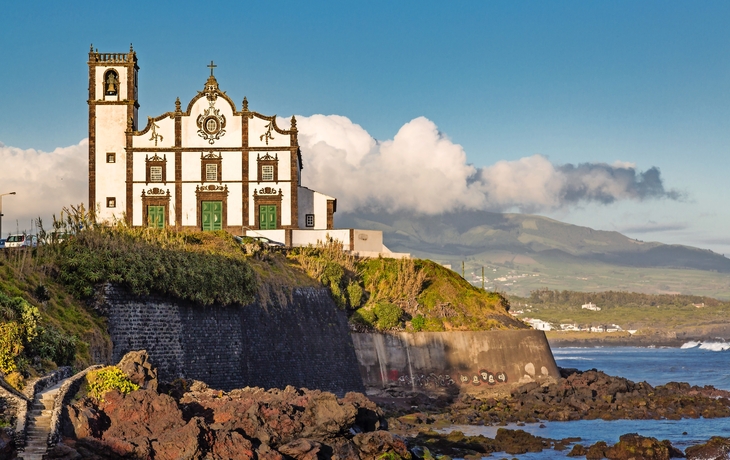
pixel 206 165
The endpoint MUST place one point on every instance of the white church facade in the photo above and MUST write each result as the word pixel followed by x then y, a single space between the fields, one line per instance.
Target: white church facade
pixel 206 165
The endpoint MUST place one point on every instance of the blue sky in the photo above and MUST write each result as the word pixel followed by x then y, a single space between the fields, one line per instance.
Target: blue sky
pixel 646 83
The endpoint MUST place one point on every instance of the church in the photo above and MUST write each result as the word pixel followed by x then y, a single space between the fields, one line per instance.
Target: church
pixel 206 165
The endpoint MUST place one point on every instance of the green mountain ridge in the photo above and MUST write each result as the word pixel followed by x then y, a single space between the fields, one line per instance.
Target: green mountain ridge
pixel 566 256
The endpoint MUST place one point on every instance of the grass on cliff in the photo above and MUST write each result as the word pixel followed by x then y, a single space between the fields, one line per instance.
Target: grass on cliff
pixel 63 332
pixel 403 294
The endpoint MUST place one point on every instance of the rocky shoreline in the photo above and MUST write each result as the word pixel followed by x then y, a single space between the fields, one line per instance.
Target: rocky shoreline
pixel 187 420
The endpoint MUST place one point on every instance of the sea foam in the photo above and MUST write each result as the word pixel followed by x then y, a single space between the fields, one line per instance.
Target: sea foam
pixel 715 346
pixel 690 344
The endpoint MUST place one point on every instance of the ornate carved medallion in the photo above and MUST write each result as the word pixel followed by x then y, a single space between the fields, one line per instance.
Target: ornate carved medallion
pixel 211 124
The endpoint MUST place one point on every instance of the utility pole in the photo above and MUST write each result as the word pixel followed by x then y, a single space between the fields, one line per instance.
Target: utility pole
pixel 462 269
pixel 1 211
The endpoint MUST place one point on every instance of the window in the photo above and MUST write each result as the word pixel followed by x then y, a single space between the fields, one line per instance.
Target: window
pixel 268 168
pixel 211 172
pixel 111 157
pixel 267 172
pixel 155 173
pixel 310 220
pixel 211 167
pixel 111 202
pixel 156 168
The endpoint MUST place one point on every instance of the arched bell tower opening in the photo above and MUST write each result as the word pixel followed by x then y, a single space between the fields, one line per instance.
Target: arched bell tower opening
pixel 111 83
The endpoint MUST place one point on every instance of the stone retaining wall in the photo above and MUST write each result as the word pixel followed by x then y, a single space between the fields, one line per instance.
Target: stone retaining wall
pixel 18 403
pixel 471 361
pixel 67 391
pixel 304 342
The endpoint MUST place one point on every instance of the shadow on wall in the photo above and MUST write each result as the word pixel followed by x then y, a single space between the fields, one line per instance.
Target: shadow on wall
pixel 305 343
pixel 468 360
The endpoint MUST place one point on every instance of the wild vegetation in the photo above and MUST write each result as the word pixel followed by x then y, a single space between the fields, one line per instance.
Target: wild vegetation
pixel 404 294
pixel 26 346
pixel 108 378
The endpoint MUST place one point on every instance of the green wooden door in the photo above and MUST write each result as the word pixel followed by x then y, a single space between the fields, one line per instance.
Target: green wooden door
pixel 156 216
pixel 212 215
pixel 267 217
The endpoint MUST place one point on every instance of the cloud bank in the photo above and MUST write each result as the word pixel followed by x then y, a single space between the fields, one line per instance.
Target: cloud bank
pixel 422 170
pixel 44 183
pixel 419 170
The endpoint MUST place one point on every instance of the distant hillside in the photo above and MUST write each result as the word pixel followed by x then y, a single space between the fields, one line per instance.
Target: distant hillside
pixel 565 255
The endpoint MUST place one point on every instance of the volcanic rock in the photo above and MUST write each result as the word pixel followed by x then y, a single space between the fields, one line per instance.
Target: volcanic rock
pixel 137 366
pixel 716 448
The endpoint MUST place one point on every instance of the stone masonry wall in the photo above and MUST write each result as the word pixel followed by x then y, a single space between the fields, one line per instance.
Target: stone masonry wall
pixel 304 343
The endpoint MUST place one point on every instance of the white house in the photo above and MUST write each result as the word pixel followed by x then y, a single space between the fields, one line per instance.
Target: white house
pixel 207 165
pixel 539 324
pixel 591 306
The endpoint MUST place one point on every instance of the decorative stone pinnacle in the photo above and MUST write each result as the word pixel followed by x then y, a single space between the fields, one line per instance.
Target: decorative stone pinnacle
pixel 245 104
pixel 293 123
pixel 91 48
pixel 177 105
pixel 131 49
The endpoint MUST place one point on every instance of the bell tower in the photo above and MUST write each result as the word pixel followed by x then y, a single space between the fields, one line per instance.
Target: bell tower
pixel 113 110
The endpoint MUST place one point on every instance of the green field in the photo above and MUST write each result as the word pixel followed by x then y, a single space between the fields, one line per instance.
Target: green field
pixel 519 274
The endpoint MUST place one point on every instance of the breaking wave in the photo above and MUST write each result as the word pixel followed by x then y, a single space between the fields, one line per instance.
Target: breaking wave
pixel 715 346
pixel 712 346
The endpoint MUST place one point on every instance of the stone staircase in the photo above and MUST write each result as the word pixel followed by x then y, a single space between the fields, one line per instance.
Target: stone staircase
pixel 39 424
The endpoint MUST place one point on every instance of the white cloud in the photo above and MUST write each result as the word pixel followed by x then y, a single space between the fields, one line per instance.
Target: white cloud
pixel 422 170
pixel 44 183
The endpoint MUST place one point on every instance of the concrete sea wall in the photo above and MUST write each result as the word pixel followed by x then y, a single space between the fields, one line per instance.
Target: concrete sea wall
pixel 304 342
pixel 469 360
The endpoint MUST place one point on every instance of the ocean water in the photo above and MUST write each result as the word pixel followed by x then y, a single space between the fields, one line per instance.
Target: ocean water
pixel 695 362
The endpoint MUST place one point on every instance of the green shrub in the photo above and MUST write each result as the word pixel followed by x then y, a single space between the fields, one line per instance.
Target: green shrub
pixel 16 380
pixel 433 325
pixel 106 379
pixel 355 294
pixel 364 316
pixel 11 346
pixel 53 345
pixel 163 261
pixel 418 322
pixel 383 316
pixel 388 315
pixel 22 337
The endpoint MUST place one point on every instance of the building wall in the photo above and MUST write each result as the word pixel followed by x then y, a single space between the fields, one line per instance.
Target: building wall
pixel 304 343
pixel 175 136
pixel 367 240
pixel 424 360
pixel 307 237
